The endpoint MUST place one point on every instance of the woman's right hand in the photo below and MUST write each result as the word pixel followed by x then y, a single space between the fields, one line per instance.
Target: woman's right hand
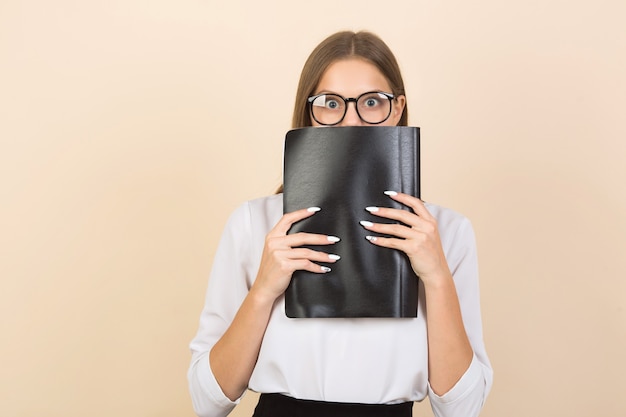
pixel 283 255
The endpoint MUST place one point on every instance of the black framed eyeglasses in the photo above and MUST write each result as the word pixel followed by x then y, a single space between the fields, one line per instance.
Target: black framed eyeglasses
pixel 373 107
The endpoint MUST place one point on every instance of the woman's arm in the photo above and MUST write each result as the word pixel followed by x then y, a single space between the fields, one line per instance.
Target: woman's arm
pixel 449 350
pixel 234 355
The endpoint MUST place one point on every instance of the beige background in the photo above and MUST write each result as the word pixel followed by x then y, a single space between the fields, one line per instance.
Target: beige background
pixel 130 130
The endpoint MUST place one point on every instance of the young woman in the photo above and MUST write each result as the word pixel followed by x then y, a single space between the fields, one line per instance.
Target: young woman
pixel 344 367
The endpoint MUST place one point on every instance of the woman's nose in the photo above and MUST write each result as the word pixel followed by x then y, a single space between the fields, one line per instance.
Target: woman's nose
pixel 352 117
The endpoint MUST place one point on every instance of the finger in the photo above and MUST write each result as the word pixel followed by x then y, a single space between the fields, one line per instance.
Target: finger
pixel 396 230
pixel 403 216
pixel 408 246
pixel 387 242
pixel 292 265
pixel 288 219
pixel 302 238
pixel 309 266
pixel 413 202
pixel 312 255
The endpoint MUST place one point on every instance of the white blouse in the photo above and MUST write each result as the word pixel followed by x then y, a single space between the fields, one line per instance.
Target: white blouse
pixel 362 360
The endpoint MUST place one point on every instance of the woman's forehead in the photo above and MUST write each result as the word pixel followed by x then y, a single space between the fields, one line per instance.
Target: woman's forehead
pixel 352 77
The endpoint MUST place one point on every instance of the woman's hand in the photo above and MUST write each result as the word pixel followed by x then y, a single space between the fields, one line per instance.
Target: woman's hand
pixel 283 255
pixel 418 236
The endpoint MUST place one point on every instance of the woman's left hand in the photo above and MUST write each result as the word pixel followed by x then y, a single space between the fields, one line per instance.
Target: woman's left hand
pixel 418 236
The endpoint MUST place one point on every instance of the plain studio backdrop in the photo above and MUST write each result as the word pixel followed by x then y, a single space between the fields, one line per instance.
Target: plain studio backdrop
pixel 131 129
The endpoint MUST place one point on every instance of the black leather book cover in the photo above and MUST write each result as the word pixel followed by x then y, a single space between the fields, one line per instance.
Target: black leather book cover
pixel 343 170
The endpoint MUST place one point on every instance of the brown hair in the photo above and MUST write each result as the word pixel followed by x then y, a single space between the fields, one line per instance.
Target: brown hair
pixel 344 45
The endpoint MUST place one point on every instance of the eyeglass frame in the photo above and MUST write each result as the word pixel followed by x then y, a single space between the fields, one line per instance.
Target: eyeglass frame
pixel 348 100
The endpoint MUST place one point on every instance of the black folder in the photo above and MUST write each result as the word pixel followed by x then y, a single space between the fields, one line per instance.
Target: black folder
pixel 343 170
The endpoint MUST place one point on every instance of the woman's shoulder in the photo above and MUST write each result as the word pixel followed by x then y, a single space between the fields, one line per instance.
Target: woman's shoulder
pixel 260 206
pixel 449 221
pixel 444 214
pixel 263 212
pixel 270 203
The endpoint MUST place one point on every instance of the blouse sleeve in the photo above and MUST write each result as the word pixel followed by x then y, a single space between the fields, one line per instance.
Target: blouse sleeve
pixel 229 283
pixel 468 395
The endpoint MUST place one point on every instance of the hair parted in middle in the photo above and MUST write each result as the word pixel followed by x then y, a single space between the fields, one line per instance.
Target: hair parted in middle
pixel 345 45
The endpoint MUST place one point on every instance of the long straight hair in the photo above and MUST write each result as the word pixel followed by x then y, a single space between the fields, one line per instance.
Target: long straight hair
pixel 345 45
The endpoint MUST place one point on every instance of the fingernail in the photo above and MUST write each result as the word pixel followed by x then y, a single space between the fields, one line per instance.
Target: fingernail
pixel 325 269
pixel 371 238
pixel 371 209
pixel 391 193
pixel 333 238
pixel 366 223
pixel 334 257
pixel 313 209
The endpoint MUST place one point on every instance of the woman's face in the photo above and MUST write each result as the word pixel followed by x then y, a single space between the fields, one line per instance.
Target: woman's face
pixel 352 77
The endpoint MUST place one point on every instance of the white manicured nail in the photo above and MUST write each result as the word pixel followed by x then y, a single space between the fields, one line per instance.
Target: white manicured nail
pixel 391 193
pixel 313 209
pixel 371 209
pixel 366 223
pixel 371 238
pixel 334 257
pixel 325 269
pixel 333 238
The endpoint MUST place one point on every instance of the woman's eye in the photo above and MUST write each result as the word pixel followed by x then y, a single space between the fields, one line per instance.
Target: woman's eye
pixel 332 104
pixel 371 102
